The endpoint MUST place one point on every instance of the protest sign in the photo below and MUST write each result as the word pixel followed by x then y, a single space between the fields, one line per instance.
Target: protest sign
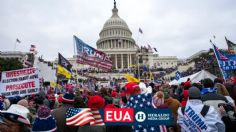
pixel 19 82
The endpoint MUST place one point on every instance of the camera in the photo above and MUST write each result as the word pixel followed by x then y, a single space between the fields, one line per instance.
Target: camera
pixel 227 107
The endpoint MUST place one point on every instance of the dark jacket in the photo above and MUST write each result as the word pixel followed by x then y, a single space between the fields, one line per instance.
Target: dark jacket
pixel 213 99
pixel 60 115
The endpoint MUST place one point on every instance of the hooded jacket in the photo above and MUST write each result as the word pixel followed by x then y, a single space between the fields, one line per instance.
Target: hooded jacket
pixel 210 97
pixel 212 118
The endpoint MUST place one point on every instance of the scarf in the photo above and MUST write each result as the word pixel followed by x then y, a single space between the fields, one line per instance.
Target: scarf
pixel 208 90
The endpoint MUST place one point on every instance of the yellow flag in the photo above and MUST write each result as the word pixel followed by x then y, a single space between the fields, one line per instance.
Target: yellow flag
pixel 151 76
pixel 130 78
pixel 63 71
pixel 54 84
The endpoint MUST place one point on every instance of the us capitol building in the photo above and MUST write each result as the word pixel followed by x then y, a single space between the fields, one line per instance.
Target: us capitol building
pixel 115 39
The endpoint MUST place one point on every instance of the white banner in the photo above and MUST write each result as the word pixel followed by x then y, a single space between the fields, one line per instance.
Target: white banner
pixel 19 82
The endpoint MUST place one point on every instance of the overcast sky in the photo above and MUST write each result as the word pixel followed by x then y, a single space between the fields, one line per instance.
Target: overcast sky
pixel 175 27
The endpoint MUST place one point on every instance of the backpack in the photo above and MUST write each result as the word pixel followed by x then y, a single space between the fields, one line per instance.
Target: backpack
pixel 203 111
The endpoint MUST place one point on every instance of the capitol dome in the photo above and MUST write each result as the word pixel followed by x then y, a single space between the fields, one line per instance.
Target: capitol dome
pixel 116 41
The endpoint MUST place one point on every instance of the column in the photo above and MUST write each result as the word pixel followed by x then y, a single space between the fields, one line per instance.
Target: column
pixel 112 44
pixel 128 61
pixel 122 63
pixel 116 60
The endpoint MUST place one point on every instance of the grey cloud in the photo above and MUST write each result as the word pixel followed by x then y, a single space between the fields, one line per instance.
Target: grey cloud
pixel 180 27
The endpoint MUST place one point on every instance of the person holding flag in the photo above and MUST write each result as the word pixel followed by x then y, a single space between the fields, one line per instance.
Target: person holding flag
pixel 177 75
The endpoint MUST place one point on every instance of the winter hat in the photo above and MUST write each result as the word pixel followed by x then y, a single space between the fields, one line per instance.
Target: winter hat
pixel 158 99
pixel 68 98
pixel 43 111
pixel 131 88
pixel 122 94
pixel 23 102
pixel 51 97
pixel 194 93
pixel 114 94
pixel 96 102
pixel 69 88
pixel 45 122
pixel 149 89
pixel 142 87
pixel 17 113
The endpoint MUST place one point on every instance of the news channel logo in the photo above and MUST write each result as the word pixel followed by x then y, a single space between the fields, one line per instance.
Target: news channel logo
pixel 140 116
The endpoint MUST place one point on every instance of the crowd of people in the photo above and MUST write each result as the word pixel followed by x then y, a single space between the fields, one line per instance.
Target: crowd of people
pixel 46 111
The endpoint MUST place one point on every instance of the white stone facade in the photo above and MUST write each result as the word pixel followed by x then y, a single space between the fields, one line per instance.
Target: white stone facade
pixel 14 54
pixel 165 61
pixel 117 42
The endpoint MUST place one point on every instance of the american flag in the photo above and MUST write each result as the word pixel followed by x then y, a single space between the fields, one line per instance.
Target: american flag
pixel 33 49
pixel 79 116
pixel 140 101
pixel 88 55
pixel 97 117
pixel 218 54
pixel 150 128
pixel 144 101
pixel 82 116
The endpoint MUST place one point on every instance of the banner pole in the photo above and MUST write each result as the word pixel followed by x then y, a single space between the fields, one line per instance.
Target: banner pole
pixel 218 61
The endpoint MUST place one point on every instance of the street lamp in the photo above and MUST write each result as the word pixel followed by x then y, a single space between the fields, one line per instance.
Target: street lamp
pixel 138 54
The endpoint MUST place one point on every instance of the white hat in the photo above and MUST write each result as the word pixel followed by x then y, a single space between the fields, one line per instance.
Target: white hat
pixel 144 89
pixel 18 113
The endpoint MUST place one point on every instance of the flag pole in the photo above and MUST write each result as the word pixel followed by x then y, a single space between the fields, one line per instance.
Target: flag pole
pixel 76 82
pixel 138 54
pixel 217 60
pixel 15 46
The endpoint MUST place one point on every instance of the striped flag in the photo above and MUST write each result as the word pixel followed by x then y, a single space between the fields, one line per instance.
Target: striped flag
pixel 33 49
pixel 97 117
pixel 163 128
pixel 82 116
pixel 79 116
pixel 218 54
pixel 90 56
pixel 231 46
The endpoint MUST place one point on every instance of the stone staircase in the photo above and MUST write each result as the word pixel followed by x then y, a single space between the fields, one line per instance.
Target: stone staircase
pixel 180 68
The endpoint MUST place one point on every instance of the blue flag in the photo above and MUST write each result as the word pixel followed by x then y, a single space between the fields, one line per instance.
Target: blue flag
pixel 145 68
pixel 226 62
pixel 91 56
pixel 177 75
